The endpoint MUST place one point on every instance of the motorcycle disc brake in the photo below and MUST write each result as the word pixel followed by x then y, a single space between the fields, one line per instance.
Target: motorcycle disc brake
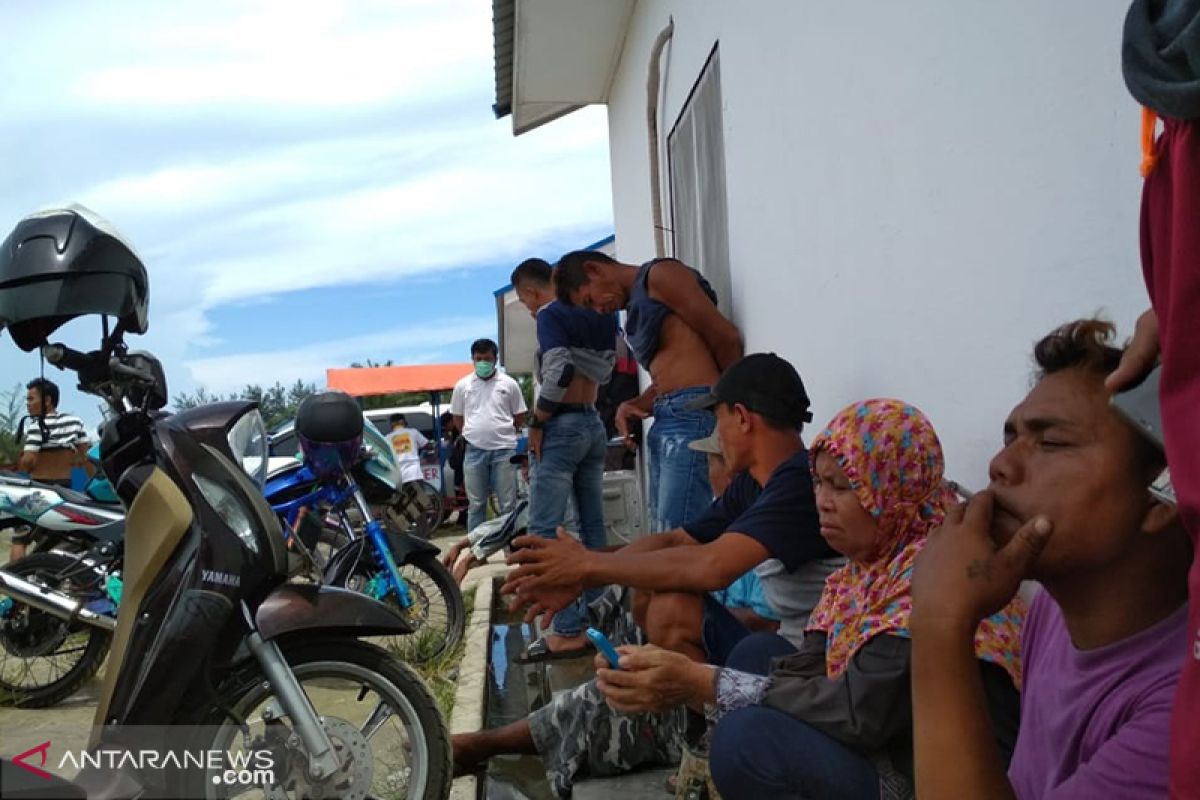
pixel 353 779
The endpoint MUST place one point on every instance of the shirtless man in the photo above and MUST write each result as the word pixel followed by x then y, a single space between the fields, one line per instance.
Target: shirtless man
pixel 677 334
pixel 54 444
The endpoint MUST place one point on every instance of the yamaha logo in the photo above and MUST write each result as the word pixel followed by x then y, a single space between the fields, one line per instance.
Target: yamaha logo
pixel 220 578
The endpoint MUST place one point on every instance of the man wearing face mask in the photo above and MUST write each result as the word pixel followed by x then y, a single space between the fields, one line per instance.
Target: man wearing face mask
pixel 488 408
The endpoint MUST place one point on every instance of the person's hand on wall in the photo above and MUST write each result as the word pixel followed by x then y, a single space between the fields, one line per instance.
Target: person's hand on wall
pixel 1139 358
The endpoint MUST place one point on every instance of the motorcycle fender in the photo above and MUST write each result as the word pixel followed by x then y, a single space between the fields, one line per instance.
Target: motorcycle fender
pixel 328 609
pixel 405 545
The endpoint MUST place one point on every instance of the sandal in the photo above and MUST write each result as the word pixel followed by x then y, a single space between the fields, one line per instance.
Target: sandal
pixel 539 652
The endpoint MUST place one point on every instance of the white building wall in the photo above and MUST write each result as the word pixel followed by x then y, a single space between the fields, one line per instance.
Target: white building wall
pixel 917 191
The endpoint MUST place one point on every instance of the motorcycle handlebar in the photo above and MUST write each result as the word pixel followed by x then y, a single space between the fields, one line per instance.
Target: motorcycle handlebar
pixel 119 368
pixel 64 357
pixel 92 366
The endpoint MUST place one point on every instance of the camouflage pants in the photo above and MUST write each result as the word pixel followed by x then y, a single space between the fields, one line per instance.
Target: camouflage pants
pixel 577 733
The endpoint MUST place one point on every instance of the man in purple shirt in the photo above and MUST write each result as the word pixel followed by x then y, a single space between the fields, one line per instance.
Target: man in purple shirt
pixel 1069 506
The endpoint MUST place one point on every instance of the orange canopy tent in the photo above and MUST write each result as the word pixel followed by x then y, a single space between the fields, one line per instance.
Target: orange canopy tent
pixel 432 378
pixel 366 381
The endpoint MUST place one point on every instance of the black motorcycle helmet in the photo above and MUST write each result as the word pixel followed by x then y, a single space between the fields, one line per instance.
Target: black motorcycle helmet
pixel 329 426
pixel 63 263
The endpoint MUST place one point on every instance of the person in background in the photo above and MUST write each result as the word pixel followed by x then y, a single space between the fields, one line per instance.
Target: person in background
pixel 488 409
pixel 677 334
pixel 1069 505
pixel 1160 58
pixel 406 443
pixel 567 440
pixel 54 444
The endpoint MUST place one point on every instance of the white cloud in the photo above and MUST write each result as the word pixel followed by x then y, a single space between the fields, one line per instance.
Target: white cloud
pixel 252 149
pixel 418 344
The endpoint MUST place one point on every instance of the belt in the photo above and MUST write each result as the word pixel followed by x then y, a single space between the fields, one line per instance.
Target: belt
pixel 574 408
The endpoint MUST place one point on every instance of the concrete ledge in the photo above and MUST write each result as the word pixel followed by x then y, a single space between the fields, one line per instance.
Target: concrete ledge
pixel 470 699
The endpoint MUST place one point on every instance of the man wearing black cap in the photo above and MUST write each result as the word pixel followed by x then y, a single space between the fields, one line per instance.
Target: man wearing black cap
pixel 768 511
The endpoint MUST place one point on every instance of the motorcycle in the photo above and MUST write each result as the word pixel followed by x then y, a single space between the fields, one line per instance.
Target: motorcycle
pixel 360 552
pixel 43 664
pixel 415 507
pixel 212 651
pixel 44 658
pixel 52 512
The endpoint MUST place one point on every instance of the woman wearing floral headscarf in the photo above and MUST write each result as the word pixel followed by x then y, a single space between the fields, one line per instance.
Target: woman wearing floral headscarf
pixel 835 718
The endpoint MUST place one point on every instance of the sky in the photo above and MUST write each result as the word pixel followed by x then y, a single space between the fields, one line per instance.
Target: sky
pixel 309 184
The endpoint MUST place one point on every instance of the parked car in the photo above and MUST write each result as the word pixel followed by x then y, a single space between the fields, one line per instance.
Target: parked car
pixel 284 445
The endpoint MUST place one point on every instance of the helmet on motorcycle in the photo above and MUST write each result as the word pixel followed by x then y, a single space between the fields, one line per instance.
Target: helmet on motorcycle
pixel 63 263
pixel 329 427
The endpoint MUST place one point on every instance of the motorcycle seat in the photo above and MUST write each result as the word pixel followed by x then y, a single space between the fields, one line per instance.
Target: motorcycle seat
pixel 79 498
pixel 112 533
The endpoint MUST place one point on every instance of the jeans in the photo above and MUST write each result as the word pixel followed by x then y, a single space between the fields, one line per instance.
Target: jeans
pixel 759 752
pixel 571 468
pixel 755 652
pixel 486 471
pixel 679 488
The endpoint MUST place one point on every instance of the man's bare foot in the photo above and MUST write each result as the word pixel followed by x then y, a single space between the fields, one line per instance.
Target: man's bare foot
pixel 469 752
pixel 462 567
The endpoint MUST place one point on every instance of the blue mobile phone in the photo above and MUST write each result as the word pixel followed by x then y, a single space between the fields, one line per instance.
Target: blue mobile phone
pixel 604 646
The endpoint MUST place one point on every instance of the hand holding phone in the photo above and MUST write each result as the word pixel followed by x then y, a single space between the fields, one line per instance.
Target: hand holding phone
pixel 605 647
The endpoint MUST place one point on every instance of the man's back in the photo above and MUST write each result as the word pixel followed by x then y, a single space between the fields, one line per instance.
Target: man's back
pixel 55 438
pixel 406 445
pixel 576 352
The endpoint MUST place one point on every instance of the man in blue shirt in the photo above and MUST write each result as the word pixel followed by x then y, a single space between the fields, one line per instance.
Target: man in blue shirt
pixel 567 440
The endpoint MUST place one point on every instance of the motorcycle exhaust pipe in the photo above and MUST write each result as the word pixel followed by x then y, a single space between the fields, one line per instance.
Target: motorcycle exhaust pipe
pixel 52 602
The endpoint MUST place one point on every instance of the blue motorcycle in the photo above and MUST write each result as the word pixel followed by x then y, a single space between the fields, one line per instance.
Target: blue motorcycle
pixel 353 548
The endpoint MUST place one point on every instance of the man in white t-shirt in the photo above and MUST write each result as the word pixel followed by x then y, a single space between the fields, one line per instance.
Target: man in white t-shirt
pixel 406 444
pixel 488 408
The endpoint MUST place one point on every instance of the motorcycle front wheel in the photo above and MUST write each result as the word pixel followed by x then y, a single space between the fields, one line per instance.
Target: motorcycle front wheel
pixel 436 612
pixel 385 726
pixel 45 659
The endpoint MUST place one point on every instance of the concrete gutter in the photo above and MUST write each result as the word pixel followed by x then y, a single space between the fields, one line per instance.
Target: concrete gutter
pixel 470 700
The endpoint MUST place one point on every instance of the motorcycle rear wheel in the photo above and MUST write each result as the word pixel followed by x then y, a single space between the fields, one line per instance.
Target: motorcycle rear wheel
pixel 45 659
pixel 417 508
pixel 355 688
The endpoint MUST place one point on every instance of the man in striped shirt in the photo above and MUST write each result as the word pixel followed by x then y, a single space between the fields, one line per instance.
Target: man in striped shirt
pixel 54 443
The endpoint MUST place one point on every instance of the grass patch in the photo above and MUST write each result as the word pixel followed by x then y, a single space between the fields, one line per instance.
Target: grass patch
pixel 442 674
